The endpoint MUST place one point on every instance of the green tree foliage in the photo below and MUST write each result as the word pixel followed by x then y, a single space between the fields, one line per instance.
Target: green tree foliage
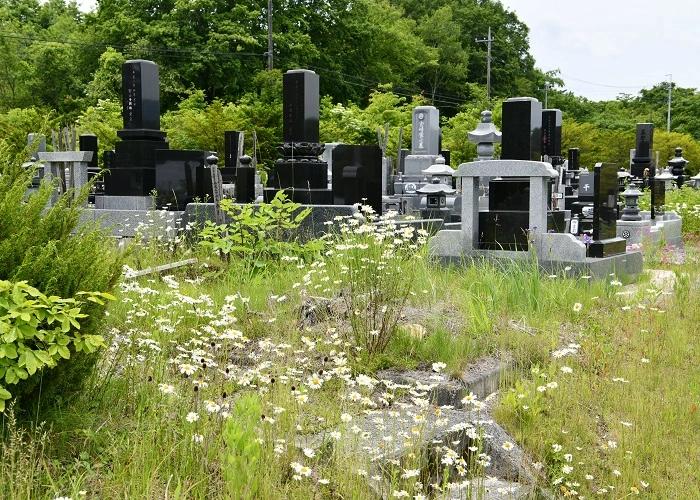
pixel 102 120
pixel 43 248
pixel 666 145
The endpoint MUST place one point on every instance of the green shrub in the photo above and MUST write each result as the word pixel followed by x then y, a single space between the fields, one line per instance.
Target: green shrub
pixel 258 233
pixel 36 332
pixel 54 252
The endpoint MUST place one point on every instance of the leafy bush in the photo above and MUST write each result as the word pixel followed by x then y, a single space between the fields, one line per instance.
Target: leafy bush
pixel 54 252
pixel 258 233
pixel 37 331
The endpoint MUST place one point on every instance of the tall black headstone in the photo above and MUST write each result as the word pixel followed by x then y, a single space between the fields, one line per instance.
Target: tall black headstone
pixel 300 106
pixel 606 187
pixel 88 142
pixel 642 153
pixel 300 172
pixel 522 129
pixel 134 170
pixel 658 197
pixel 551 134
pixel 574 159
pixel 140 100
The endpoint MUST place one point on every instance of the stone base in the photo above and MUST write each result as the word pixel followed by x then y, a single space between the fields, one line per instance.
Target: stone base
pixel 130 223
pixel 666 227
pixel 303 196
pixel 105 202
pixel 554 252
pixel 311 227
pixel 607 248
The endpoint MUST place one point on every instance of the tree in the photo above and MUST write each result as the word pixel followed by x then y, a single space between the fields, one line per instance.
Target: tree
pixel 445 75
pixel 666 145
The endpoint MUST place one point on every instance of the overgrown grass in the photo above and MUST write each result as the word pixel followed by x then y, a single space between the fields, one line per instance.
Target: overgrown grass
pixel 156 421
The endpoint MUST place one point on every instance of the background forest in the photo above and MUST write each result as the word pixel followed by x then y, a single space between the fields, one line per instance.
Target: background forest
pixel 377 59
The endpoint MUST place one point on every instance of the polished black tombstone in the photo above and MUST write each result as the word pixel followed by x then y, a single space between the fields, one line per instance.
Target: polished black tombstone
pixel 88 142
pixel 300 172
pixel 232 148
pixel 140 100
pixel 181 178
pixel 506 224
pixel 641 161
pixel 658 196
pixel 357 176
pixel 551 135
pixel 134 169
pixel 300 106
pixel 574 159
pixel 235 171
pixel 605 211
pixel 522 129
pixel 244 179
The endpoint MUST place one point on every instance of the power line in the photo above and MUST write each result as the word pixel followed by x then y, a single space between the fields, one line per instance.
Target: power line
pixel 166 52
pixel 607 86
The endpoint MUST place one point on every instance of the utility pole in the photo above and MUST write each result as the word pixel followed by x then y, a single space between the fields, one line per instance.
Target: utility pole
pixel 269 35
pixel 488 66
pixel 546 88
pixel 668 115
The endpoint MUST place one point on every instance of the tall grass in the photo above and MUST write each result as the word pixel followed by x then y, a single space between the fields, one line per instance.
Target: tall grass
pixel 186 349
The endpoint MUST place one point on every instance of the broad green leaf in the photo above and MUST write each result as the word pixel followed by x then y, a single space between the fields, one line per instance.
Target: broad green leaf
pixel 4 393
pixel 64 352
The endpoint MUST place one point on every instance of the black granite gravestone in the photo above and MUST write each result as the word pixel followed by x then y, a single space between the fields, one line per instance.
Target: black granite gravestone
pixel 300 106
pixel 180 178
pixel 605 240
pixel 658 196
pixel 505 226
pixel 357 176
pixel 551 135
pixel 134 169
pixel 522 129
pixel 88 142
pixel 642 153
pixel 300 173
pixel 140 100
pixel 574 159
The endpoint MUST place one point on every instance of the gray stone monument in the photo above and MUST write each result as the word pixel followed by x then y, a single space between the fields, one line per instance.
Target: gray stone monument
pixel 485 135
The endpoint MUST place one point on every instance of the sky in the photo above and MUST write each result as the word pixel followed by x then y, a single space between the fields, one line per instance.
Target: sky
pixel 604 48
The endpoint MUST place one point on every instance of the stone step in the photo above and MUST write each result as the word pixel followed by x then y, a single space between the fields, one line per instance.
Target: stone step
pixel 432 422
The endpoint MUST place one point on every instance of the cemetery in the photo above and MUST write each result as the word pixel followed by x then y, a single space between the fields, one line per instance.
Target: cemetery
pixel 385 329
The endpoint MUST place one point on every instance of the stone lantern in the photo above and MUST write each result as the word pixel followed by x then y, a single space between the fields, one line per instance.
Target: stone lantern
pixel 485 135
pixel 623 178
pixel 677 165
pixel 696 181
pixel 436 199
pixel 631 210
pixel 666 177
pixel 439 170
